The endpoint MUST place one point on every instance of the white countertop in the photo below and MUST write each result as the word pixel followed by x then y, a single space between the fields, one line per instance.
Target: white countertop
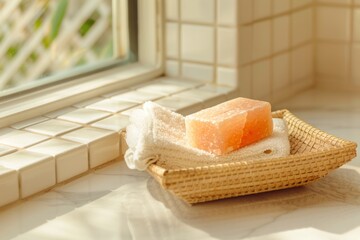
pixel 117 203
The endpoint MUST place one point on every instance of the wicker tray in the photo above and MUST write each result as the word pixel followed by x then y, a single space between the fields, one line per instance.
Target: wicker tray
pixel 313 155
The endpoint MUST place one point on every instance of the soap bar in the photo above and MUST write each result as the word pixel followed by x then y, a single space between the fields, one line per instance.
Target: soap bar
pixel 229 126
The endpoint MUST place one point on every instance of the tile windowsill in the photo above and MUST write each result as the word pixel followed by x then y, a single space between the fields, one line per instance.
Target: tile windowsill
pixel 90 134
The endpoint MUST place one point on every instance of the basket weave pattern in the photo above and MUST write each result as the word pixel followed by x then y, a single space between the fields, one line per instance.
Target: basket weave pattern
pixel 313 154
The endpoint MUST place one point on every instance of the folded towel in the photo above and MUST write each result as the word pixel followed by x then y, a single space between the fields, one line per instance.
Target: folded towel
pixel 156 134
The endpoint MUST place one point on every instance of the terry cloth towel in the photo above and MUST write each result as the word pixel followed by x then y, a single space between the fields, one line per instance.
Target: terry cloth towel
pixel 156 134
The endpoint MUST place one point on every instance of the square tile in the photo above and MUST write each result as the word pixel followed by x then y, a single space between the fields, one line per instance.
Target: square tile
pixel 332 59
pixel 302 26
pixel 245 11
pixel 59 112
pixel 36 171
pixel 103 145
pixel 227 12
pixel 9 186
pixel 262 8
pixel 20 138
pixel 162 88
pixel 261 36
pixel 88 102
pixel 84 115
pixel 227 46
pixel 227 76
pixel 137 97
pixel 200 11
pixel 281 34
pixel 200 72
pixel 172 68
pixel 172 40
pixel 197 43
pixel 29 122
pixel 281 73
pixel 245 44
pixel 333 23
pixel 280 6
pixel 117 123
pixel 71 158
pixel 302 63
pixel 261 80
pixel 112 105
pixel 53 127
pixel 172 9
pixel 6 150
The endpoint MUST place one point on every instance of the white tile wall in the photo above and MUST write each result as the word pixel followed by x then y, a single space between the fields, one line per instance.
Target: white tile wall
pixel 281 6
pixel 261 9
pixel 281 35
pixel 172 40
pixel 198 72
pixel 227 47
pixel 332 60
pixel 171 9
pixel 333 23
pixel 261 40
pixel 337 44
pixel 219 39
pixel 302 63
pixel 281 71
pixel 302 26
pixel 261 79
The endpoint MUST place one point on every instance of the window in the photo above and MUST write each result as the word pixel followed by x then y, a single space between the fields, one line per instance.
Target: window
pixel 137 47
pixel 45 41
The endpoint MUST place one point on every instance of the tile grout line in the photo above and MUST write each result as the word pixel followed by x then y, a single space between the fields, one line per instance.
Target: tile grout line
pixel 215 57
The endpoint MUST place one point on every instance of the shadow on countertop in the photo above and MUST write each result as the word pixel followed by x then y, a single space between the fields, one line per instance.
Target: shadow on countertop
pixel 331 204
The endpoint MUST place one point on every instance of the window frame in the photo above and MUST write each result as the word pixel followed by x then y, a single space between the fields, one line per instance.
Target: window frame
pixel 150 64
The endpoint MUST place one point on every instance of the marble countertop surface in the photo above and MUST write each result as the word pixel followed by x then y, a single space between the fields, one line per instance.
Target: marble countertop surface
pixel 117 203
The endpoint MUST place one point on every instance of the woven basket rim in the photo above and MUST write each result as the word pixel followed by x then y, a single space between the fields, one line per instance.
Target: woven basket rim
pixel 345 145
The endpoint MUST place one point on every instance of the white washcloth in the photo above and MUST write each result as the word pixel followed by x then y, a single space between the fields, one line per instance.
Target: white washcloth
pixel 156 134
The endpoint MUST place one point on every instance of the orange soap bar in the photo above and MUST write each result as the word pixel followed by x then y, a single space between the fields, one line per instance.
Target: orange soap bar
pixel 230 125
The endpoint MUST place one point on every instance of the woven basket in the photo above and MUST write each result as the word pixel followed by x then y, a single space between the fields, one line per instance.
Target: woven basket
pixel 313 155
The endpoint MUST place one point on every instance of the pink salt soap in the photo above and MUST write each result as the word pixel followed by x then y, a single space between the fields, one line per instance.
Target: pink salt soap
pixel 230 125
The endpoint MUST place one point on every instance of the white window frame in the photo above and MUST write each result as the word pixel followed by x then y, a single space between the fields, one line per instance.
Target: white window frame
pixel 150 65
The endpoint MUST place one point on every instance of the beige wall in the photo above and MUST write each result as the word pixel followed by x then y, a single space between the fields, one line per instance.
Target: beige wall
pixel 265 47
pixel 338 44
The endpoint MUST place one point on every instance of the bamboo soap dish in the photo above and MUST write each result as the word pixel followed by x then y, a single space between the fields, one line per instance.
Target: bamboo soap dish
pixel 314 154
